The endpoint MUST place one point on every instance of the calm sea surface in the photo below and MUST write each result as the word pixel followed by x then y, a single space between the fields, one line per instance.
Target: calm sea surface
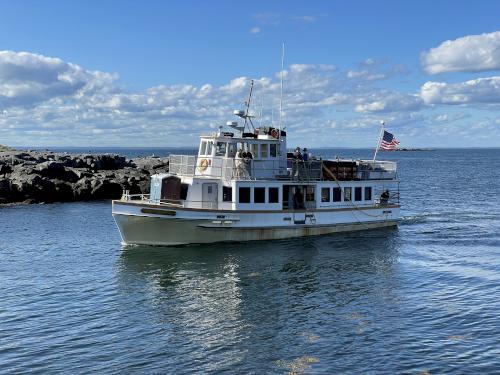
pixel 423 298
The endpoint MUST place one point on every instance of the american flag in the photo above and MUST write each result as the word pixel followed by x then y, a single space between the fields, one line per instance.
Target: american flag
pixel 389 142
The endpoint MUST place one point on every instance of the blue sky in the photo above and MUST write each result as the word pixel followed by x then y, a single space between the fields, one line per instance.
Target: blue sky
pixel 123 73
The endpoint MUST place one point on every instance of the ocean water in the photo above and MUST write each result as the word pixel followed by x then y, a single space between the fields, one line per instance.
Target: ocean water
pixel 420 299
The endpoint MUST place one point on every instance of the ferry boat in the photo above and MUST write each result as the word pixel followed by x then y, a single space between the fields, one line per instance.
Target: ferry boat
pixel 243 185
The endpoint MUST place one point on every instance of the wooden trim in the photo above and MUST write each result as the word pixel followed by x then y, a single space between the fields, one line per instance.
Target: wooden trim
pixel 297 226
pixel 160 208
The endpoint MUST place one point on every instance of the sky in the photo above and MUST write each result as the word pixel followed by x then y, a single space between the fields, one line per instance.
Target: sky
pixel 159 74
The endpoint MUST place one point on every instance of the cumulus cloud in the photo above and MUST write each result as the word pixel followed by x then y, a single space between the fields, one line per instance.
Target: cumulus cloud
pixel 27 78
pixel 385 101
pixel 472 53
pixel 255 30
pixel 364 74
pixel 50 101
pixel 481 90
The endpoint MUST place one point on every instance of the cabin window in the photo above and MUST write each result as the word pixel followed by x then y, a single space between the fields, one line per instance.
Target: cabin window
pixel 203 147
pixel 254 149
pixel 357 194
pixel 368 193
pixel 231 150
pixel 274 195
pixel 184 191
pixel 310 194
pixel 259 195
pixel 325 194
pixel 209 148
pixel 273 150
pixel 220 149
pixel 347 194
pixel 263 151
pixel 227 193
pixel 337 194
pixel 244 195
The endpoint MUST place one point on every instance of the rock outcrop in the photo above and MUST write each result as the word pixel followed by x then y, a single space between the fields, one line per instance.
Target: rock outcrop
pixel 44 176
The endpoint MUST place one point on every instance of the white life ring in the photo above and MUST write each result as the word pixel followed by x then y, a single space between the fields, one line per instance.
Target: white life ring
pixel 275 133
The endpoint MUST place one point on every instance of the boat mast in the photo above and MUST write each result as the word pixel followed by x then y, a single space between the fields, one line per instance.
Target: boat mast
pixel 281 86
pixel 382 124
pixel 247 117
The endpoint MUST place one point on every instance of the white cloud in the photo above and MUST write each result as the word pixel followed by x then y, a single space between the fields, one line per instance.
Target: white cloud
pixel 79 107
pixel 481 90
pixel 27 78
pixel 255 30
pixel 385 101
pixel 364 74
pixel 472 53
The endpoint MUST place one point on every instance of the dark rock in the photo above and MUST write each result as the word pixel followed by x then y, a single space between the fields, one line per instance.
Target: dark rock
pixel 44 176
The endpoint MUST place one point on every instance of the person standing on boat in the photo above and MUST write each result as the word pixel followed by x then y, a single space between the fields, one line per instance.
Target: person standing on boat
pixel 305 155
pixel 297 154
pixel 241 162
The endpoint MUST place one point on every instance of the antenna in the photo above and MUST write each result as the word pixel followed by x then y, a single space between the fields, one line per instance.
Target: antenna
pixel 281 85
pixel 261 110
pixel 244 114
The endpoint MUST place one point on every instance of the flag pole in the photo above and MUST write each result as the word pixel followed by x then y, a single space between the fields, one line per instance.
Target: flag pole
pixel 382 124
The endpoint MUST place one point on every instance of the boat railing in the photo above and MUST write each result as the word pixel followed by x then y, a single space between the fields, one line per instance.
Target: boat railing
pixel 388 199
pixel 282 169
pixel 248 169
pixel 376 170
pixel 182 164
pixel 146 198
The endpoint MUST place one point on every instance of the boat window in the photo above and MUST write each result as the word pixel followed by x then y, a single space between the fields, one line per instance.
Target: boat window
pixel 274 195
pixel 325 194
pixel 254 149
pixel 272 150
pixel 231 150
pixel 184 191
pixel 220 149
pixel 259 195
pixel 227 193
pixel 337 194
pixel 310 194
pixel 263 151
pixel 244 195
pixel 357 193
pixel 347 194
pixel 368 193
pixel 203 147
pixel 209 148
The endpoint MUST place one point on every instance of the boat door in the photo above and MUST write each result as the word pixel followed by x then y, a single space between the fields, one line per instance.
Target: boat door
pixel 209 196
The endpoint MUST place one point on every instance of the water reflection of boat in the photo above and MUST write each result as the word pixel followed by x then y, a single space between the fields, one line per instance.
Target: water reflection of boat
pixel 245 305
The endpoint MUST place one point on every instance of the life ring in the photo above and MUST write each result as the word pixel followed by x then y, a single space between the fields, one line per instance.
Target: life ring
pixel 275 133
pixel 203 164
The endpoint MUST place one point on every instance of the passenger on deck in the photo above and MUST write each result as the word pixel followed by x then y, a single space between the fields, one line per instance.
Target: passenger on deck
pixel 384 197
pixel 240 164
pixel 305 154
pixel 297 154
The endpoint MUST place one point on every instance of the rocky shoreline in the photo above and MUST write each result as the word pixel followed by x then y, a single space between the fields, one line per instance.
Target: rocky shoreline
pixel 45 176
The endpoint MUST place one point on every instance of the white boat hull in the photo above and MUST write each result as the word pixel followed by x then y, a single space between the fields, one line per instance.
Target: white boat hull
pixel 153 225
